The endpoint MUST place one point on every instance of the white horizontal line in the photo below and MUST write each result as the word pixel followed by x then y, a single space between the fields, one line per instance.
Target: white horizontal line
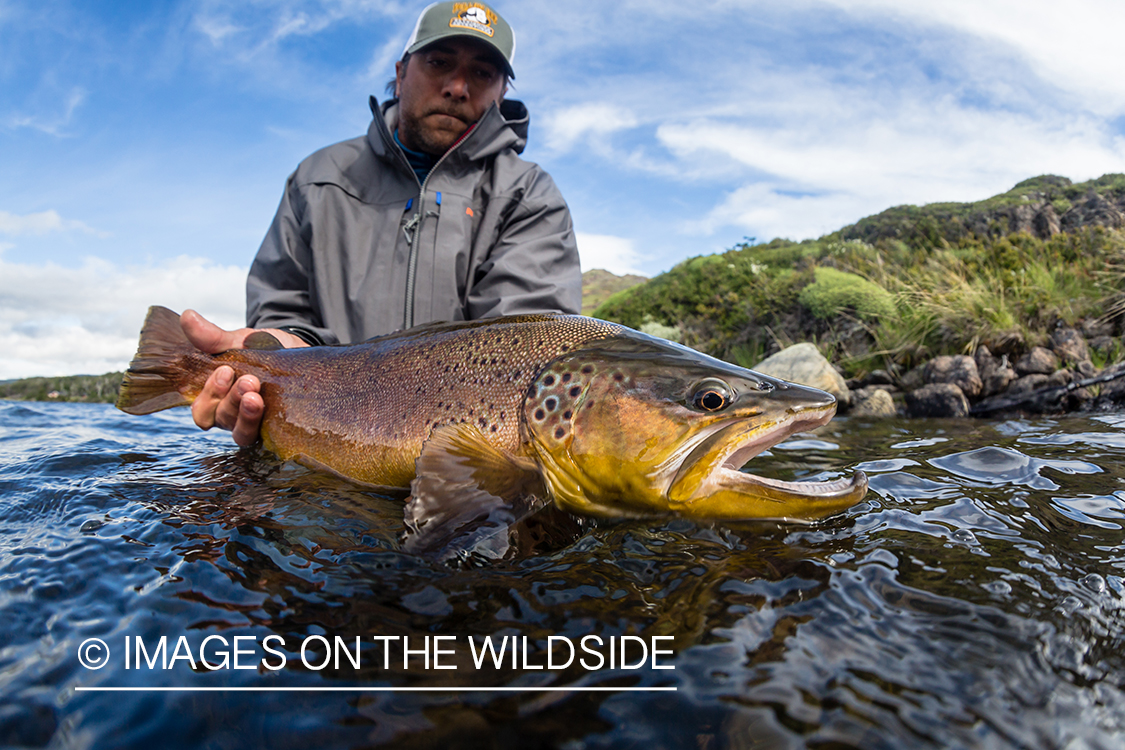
pixel 282 689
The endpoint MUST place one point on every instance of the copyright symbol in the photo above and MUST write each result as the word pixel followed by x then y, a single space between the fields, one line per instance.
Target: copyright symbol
pixel 93 653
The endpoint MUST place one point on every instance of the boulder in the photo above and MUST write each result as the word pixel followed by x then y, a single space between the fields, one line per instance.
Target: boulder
pixel 804 364
pixel 937 400
pixel 995 372
pixel 1037 361
pixel 1029 383
pixel 959 370
pixel 1060 378
pixel 872 402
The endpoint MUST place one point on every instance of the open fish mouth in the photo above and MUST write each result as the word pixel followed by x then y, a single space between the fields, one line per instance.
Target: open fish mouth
pixel 710 481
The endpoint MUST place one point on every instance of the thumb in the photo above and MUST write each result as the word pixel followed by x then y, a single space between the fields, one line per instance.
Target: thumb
pixel 205 335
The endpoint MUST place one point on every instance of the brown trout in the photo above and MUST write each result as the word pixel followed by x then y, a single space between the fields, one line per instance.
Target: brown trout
pixel 598 418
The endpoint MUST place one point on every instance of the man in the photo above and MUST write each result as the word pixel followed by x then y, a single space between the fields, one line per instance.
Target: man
pixel 431 216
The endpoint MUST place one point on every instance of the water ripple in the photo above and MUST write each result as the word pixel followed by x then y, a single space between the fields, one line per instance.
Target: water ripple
pixel 975 599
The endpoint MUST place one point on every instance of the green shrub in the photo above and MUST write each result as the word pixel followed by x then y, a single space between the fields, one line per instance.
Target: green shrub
pixel 835 291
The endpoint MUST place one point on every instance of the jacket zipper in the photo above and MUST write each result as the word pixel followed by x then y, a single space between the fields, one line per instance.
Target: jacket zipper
pixel 413 228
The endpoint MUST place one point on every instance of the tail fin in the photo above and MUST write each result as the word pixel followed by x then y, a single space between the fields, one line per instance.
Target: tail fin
pixel 166 371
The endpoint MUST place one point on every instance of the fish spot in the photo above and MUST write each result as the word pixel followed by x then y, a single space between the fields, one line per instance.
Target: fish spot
pixel 494 428
pixel 618 377
pixel 540 415
pixel 587 370
pixel 566 377
pixel 549 380
pixel 559 432
pixel 551 403
pixel 567 414
pixel 575 391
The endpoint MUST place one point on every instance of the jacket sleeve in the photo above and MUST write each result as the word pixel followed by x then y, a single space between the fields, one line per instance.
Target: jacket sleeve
pixel 278 288
pixel 533 264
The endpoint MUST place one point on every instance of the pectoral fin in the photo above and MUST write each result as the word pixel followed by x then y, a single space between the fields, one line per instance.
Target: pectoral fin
pixel 467 494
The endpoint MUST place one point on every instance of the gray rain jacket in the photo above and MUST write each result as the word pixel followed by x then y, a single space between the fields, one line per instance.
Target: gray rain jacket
pixel 359 249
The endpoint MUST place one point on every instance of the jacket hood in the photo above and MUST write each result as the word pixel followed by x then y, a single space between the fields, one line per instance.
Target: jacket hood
pixel 501 127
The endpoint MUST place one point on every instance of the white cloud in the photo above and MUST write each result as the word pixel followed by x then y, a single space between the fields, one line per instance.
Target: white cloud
pixel 615 254
pixel 52 122
pixel 59 320
pixel 817 177
pixel 43 222
pixel 1076 45
pixel 593 120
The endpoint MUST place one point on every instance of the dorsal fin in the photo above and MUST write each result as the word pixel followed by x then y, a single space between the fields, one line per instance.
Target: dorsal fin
pixel 262 341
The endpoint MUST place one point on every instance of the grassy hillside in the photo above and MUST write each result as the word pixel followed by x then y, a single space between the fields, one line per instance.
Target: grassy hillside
pixel 599 285
pixel 908 283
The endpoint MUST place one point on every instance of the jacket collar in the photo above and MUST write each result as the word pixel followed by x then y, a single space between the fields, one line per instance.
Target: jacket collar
pixel 501 127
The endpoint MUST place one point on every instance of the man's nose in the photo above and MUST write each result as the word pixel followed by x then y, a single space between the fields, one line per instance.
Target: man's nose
pixel 457 85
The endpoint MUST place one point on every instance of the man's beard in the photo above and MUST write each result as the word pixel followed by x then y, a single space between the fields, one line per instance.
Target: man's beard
pixel 429 140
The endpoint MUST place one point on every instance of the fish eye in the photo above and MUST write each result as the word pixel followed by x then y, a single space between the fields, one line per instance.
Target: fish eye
pixel 711 395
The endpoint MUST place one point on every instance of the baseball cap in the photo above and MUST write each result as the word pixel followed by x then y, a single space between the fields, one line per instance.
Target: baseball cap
pixel 467 19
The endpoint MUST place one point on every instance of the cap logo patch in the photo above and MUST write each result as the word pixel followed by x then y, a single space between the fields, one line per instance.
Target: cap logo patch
pixel 473 17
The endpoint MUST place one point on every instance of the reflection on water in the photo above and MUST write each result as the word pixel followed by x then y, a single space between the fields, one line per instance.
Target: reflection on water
pixel 976 598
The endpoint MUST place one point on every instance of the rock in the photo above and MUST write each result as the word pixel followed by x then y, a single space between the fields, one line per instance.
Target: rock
pixel 1060 378
pixel 1094 210
pixel 1037 361
pixel 1070 345
pixel 995 372
pixel 1029 383
pixel 1111 396
pixel 1046 223
pixel 804 364
pixel 872 402
pixel 914 379
pixel 875 377
pixel 959 370
pixel 937 400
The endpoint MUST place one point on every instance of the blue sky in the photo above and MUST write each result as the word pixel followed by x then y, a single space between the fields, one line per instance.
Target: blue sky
pixel 144 146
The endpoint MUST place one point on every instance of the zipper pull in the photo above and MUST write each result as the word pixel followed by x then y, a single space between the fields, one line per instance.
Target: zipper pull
pixel 409 227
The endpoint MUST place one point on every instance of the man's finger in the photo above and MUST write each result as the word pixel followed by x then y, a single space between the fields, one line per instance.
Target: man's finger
pixel 227 413
pixel 250 410
pixel 217 387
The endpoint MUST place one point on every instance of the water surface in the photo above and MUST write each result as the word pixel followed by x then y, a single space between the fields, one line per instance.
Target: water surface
pixel 975 599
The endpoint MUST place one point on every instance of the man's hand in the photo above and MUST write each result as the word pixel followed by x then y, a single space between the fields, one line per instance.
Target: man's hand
pixel 232 405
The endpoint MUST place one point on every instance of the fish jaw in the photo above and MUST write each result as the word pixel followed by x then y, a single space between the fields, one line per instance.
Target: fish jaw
pixel 710 484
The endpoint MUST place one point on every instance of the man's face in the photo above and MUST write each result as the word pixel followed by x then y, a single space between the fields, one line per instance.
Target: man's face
pixel 443 89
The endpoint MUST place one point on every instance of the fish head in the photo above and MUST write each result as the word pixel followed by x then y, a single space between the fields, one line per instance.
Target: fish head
pixel 633 425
